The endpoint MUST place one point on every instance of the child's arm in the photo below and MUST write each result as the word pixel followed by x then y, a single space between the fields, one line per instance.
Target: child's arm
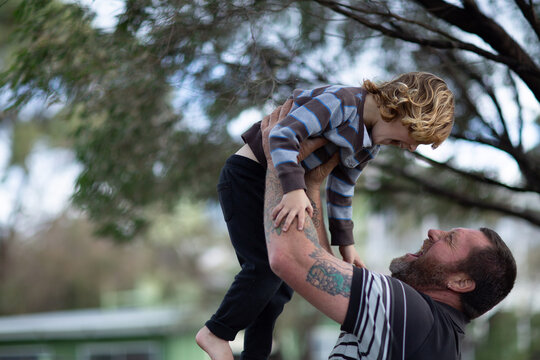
pixel 349 254
pixel 340 192
pixel 312 116
pixel 294 203
pixel 339 195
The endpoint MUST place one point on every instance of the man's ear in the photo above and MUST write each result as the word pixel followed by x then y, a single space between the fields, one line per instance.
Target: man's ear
pixel 461 283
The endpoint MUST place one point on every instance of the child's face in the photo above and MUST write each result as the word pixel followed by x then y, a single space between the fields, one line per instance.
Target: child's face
pixel 393 133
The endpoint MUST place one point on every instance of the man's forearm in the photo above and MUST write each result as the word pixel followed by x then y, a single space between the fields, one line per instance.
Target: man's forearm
pixel 273 195
pixel 314 195
pixel 322 270
pixel 299 260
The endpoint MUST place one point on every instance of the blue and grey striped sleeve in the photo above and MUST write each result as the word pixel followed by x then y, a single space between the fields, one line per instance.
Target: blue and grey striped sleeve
pixel 339 194
pixel 310 118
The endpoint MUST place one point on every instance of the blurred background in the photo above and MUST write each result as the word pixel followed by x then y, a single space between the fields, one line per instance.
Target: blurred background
pixel 116 117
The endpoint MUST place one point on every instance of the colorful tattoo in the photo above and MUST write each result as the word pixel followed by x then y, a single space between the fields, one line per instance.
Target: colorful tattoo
pixel 325 274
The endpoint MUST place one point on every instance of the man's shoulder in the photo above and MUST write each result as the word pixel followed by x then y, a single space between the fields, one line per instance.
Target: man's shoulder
pixel 444 341
pixel 385 317
pixel 396 284
pixel 421 326
pixel 399 296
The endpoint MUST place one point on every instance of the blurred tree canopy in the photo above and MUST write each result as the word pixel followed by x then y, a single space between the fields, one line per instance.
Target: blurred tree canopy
pixel 128 93
pixel 65 266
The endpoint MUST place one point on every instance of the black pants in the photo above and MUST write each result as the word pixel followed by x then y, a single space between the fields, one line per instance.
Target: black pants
pixel 256 296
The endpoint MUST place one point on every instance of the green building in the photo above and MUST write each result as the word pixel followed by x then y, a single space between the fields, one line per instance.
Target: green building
pixel 97 334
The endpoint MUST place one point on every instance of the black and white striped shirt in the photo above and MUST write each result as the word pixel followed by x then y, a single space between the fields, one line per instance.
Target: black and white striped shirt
pixel 388 319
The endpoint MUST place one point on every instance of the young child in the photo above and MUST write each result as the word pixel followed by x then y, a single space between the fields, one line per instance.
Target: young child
pixel 412 109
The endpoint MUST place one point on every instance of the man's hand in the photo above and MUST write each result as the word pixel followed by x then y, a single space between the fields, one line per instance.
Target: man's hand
pixel 294 203
pixel 315 177
pixel 349 254
pixel 269 121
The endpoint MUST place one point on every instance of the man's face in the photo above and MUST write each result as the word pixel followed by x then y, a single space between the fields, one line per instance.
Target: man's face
pixel 439 257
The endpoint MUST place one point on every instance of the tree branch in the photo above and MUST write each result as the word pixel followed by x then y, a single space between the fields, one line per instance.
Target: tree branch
pixel 526 68
pixel 501 141
pixel 389 14
pixel 458 65
pixel 472 20
pixel 517 100
pixel 505 136
pixel 528 12
pixel 474 177
pixel 461 199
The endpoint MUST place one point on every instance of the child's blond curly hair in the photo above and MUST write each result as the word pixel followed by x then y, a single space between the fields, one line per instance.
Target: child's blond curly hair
pixel 421 100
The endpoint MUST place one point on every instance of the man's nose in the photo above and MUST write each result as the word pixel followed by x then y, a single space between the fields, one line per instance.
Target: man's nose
pixel 435 234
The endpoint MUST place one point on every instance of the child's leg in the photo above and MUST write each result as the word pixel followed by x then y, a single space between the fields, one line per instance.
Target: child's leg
pixel 241 192
pixel 258 336
pixel 216 348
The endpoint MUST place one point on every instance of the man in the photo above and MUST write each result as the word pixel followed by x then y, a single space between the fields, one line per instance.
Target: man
pixel 418 313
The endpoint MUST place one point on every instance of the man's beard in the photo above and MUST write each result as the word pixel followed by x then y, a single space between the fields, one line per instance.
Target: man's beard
pixel 421 273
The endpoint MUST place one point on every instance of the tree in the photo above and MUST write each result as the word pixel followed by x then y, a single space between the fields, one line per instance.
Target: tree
pixel 65 266
pixel 472 50
pixel 127 92
pixel 23 136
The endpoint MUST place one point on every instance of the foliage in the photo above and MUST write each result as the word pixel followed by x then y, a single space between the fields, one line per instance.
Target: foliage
pixel 35 277
pixel 130 92
pixel 163 268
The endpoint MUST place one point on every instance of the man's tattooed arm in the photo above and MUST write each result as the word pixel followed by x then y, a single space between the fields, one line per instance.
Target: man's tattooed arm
pixel 273 195
pixel 329 275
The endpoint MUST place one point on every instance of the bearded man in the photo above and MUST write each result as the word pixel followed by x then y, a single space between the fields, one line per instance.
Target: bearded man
pixel 420 312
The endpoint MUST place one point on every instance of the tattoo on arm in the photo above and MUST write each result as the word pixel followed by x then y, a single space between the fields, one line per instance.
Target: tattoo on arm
pixel 316 214
pixel 273 195
pixel 311 233
pixel 329 275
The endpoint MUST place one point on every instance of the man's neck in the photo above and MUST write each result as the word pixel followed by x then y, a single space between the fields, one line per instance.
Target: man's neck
pixel 445 296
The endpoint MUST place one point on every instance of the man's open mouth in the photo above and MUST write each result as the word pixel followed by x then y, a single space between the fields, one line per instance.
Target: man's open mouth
pixel 420 252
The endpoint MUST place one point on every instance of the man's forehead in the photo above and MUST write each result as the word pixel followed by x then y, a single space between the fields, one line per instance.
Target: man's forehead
pixel 472 236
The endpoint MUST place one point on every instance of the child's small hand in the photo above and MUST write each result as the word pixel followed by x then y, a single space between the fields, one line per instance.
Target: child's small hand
pixel 294 203
pixel 349 254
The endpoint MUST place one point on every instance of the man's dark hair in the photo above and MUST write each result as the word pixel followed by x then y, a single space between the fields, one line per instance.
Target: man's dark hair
pixel 493 269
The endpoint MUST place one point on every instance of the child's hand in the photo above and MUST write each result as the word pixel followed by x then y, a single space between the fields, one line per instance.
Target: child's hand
pixel 349 254
pixel 292 204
